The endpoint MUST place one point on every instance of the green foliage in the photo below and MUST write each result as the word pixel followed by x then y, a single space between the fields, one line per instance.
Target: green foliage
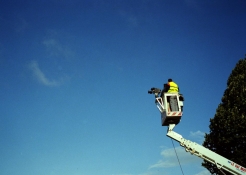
pixel 227 135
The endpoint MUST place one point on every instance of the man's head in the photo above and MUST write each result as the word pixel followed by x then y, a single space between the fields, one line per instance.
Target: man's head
pixel 170 80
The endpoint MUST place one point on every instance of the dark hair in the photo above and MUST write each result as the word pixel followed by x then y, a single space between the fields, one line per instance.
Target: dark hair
pixel 170 80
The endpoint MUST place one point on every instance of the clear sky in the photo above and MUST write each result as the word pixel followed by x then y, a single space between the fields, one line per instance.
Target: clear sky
pixel 75 75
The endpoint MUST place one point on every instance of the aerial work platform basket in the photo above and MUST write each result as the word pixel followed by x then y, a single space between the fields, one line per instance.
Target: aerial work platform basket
pixel 169 115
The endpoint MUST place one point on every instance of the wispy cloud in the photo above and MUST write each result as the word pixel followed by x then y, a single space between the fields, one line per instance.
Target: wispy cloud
pixel 153 173
pixel 204 172
pixel 40 76
pixel 193 4
pixel 21 25
pixel 131 19
pixel 170 160
pixel 122 174
pixel 55 48
pixel 146 173
pixel 1 50
pixel 198 135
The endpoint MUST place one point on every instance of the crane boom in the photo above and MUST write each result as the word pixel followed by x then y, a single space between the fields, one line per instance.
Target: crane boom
pixel 206 154
pixel 171 118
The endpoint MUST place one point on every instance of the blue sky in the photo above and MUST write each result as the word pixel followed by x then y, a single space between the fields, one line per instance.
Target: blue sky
pixel 75 75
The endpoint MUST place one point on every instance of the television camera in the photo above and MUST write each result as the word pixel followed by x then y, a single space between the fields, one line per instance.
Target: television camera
pixel 154 91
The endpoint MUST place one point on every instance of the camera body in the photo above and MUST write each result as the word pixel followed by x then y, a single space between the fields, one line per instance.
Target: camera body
pixel 155 91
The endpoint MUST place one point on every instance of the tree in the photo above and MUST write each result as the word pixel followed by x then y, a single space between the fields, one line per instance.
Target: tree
pixel 227 135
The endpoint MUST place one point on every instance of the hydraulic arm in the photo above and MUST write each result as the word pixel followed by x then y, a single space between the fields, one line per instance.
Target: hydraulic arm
pixel 206 154
pixel 171 118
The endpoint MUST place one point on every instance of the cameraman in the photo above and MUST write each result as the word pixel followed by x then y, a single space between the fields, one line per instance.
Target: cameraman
pixel 171 87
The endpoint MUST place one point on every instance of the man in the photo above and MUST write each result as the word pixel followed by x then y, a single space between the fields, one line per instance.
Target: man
pixel 171 87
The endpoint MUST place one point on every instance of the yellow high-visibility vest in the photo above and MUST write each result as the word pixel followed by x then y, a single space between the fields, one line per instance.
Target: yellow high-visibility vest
pixel 173 87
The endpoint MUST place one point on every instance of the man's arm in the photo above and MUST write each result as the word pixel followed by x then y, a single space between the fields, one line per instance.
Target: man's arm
pixel 165 89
